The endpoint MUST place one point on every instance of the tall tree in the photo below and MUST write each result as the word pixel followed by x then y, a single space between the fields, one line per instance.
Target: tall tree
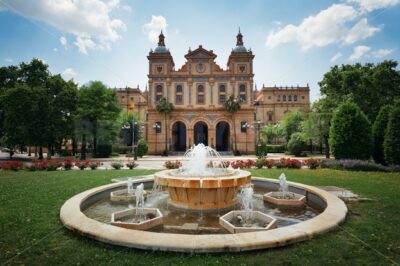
pixel 378 133
pixel 165 107
pixel 270 132
pixel 97 112
pixel 392 136
pixel 350 133
pixel 369 86
pixel 232 105
pixel 291 123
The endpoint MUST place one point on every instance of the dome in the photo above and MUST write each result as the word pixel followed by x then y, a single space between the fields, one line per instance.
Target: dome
pixel 161 49
pixel 240 48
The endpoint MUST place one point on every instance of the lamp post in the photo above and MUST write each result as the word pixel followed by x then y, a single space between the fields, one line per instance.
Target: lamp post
pixel 246 126
pixel 156 127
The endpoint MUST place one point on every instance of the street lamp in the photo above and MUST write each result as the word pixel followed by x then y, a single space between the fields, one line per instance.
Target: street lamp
pixel 246 126
pixel 127 126
pixel 156 127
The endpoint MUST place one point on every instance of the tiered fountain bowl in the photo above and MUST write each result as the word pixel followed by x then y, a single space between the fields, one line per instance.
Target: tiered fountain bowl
pixel 203 192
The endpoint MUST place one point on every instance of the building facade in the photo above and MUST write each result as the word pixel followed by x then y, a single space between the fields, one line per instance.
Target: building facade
pixel 198 91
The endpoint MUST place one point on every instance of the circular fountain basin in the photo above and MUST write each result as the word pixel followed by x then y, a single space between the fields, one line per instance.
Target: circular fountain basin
pixel 202 192
pixel 73 217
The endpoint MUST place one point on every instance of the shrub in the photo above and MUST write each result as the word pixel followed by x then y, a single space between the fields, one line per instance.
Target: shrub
pixel 261 149
pixel 350 133
pixel 31 167
pixel 172 164
pixel 81 164
pixel 121 149
pixel 270 163
pixel 276 148
pixel 355 165
pixel 50 165
pixel 116 165
pixel 312 163
pixel 65 153
pixel 297 144
pixel 93 164
pixel 392 136
pixel 103 151
pixel 142 148
pixel 68 163
pixel 12 165
pixel 378 134
pixel 289 163
pixel 242 164
pixel 260 162
pixel 131 164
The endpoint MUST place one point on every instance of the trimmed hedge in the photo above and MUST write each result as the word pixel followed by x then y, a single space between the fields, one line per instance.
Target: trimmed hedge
pixel 357 165
pixel 276 148
pixel 142 148
pixel 350 133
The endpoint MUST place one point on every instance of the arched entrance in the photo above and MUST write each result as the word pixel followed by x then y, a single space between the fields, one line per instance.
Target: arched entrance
pixel 222 136
pixel 179 136
pixel 200 133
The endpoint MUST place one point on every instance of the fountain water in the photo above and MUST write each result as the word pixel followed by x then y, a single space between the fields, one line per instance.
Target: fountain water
pixel 246 200
pixel 283 197
pixel 139 194
pixel 283 186
pixel 130 186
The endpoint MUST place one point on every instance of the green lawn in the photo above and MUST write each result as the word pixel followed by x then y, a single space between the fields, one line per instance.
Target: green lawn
pixel 30 226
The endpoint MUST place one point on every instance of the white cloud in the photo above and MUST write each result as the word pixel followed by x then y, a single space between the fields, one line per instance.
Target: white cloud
pixel 154 27
pixel 381 53
pixel 371 5
pixel 86 19
pixel 336 57
pixel 277 22
pixel 325 28
pixel 63 41
pixel 55 49
pixel 358 52
pixel 8 60
pixel 360 31
pixel 69 72
pixel 84 44
pixel 126 8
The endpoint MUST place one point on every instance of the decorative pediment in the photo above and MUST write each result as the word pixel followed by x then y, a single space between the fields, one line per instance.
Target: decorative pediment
pixel 201 53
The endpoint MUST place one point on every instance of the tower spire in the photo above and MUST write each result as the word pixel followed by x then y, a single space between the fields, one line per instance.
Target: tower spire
pixel 239 39
pixel 161 39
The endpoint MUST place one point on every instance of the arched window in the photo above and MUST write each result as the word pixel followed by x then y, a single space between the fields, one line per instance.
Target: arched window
pixel 159 92
pixel 222 94
pixel 179 94
pixel 290 98
pixel 242 93
pixel 200 94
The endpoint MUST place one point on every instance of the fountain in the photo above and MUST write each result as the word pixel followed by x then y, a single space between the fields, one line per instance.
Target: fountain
pixel 203 182
pixel 284 198
pixel 139 218
pixel 125 195
pixel 247 220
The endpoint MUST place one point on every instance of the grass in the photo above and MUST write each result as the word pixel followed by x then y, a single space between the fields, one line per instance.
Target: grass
pixel 30 227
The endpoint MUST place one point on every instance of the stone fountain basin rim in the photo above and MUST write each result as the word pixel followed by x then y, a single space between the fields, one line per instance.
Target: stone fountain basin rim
pixel 74 219
pixel 240 177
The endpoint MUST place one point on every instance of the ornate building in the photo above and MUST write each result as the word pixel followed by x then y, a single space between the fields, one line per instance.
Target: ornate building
pixel 198 91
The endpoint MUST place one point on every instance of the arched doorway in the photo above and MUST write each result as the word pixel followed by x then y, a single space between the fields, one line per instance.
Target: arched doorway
pixel 179 136
pixel 200 133
pixel 222 136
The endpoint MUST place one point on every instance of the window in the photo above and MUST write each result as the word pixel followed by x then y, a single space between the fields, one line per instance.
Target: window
pixel 179 94
pixel 242 93
pixel 279 98
pixel 290 98
pixel 284 98
pixel 243 126
pixel 159 92
pixel 157 127
pixel 302 97
pixel 222 98
pixel 295 98
pixel 222 94
pixel 200 94
pixel 269 116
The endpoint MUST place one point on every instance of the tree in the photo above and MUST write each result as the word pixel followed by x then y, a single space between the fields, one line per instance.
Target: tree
pixel 291 123
pixel 297 144
pixel 270 132
pixel 165 107
pixel 142 148
pixel 378 134
pixel 369 86
pixel 126 121
pixel 350 133
pixel 97 113
pixel 232 105
pixel 322 115
pixel 392 136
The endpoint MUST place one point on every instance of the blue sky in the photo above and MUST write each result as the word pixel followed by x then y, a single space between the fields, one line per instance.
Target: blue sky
pixel 294 42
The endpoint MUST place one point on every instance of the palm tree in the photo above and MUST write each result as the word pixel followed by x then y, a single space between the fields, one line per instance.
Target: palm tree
pixel 232 105
pixel 165 107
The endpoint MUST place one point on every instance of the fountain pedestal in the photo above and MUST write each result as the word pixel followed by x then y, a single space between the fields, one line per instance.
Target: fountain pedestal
pixel 202 193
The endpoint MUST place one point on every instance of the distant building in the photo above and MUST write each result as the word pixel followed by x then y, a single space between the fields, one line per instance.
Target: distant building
pixel 198 91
